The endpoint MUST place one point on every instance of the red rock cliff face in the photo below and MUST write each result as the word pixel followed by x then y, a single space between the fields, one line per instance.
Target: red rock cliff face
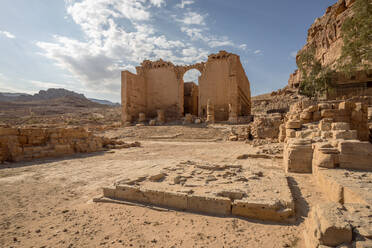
pixel 325 36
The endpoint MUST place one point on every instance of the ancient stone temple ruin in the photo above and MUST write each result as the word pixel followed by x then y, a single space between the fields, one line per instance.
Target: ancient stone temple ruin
pixel 159 86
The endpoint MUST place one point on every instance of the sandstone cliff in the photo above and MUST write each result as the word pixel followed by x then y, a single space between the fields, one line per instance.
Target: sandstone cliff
pixel 325 37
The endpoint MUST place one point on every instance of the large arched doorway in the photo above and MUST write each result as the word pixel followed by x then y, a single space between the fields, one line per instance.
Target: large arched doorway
pixel 191 91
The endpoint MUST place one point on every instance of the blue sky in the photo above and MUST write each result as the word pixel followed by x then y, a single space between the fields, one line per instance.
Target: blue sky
pixel 82 45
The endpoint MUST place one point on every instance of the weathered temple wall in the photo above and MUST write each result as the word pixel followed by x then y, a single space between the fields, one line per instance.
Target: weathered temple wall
pixel 214 85
pixel 133 92
pixel 244 90
pixel 163 92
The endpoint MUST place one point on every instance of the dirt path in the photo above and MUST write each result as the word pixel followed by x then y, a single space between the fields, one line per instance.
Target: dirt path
pixel 49 203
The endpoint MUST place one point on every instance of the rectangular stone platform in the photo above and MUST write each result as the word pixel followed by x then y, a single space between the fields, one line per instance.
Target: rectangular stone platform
pixel 251 192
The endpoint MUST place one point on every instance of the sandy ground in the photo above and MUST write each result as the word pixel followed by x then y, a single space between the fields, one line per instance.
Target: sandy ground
pixel 48 203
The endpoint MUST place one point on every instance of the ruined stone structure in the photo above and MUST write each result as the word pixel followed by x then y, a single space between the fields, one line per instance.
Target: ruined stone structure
pixel 208 188
pixel 325 36
pixel 328 140
pixel 28 143
pixel 159 86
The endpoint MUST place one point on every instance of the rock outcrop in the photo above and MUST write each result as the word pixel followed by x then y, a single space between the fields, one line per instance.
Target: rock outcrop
pixel 325 37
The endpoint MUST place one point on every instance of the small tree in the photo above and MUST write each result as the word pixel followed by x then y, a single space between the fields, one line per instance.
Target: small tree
pixel 316 79
pixel 357 38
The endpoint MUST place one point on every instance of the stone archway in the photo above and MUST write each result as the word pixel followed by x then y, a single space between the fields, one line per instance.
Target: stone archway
pixel 189 98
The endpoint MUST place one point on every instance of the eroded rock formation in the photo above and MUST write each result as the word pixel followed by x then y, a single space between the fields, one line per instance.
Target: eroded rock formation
pixel 325 37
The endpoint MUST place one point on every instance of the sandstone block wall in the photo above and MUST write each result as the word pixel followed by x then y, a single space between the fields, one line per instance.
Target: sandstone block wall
pixel 18 144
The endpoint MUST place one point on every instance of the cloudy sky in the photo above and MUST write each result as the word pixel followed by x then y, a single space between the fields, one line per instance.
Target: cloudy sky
pixel 82 45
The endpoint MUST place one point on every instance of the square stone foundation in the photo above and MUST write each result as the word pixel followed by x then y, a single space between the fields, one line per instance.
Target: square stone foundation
pixel 251 192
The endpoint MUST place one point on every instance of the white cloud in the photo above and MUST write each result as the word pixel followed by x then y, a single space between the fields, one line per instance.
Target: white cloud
pixel 157 3
pixel 243 46
pixel 7 34
pixel 219 43
pixel 211 41
pixel 184 3
pixel 109 46
pixel 120 34
pixel 193 18
pixel 257 52
pixel 293 54
pixel 46 85
pixel 194 33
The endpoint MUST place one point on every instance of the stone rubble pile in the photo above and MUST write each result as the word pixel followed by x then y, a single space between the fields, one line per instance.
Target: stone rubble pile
pixel 264 127
pixel 330 140
pixel 28 143
pixel 326 134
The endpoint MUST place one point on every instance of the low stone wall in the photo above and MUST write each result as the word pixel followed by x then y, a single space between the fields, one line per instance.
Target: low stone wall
pixel 27 143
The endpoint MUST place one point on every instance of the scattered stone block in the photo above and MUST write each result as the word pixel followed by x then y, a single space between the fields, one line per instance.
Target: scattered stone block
pixel 141 117
pixel 298 155
pixel 197 121
pixel 317 116
pixel 327 225
pixel 325 155
pixel 306 116
pixel 325 125
pixel 188 119
pixel 355 154
pixel 157 177
pixel 340 126
pixel 290 133
pixel 322 106
pixel 345 134
pixel 293 124
pixel 161 116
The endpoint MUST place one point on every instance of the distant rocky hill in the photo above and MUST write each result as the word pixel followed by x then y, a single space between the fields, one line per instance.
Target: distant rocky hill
pixel 42 95
pixel 104 102
pixel 53 97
